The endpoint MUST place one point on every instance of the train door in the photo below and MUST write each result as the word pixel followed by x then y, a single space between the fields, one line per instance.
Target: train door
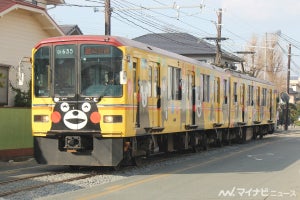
pixel 136 94
pixel 191 98
pixel 154 94
pixel 242 100
pixel 258 111
pixel 271 103
pixel 217 100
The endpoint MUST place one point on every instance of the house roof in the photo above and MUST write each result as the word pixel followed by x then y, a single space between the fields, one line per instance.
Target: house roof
pixel 39 13
pixel 55 2
pixel 5 4
pixel 183 43
pixel 71 29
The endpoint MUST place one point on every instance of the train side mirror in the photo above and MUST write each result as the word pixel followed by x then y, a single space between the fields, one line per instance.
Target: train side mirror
pixel 123 77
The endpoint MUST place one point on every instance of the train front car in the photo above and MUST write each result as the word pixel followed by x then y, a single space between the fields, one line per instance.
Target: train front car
pixel 75 99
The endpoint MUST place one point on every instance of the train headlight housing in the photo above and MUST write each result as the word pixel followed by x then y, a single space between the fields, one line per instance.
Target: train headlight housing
pixel 41 118
pixel 112 119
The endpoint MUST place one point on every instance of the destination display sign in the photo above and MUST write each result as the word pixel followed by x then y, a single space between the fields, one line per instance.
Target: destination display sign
pixel 96 50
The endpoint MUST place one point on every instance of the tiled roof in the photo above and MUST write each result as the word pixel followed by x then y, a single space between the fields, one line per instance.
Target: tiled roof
pixel 70 29
pixel 182 43
pixel 6 4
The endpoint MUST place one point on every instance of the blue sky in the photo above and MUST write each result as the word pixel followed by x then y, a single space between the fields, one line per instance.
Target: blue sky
pixel 241 19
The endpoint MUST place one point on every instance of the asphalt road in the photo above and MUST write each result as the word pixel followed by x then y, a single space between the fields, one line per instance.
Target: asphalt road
pixel 263 169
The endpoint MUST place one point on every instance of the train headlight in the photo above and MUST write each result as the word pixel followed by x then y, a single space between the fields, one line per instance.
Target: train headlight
pixel 41 118
pixel 112 119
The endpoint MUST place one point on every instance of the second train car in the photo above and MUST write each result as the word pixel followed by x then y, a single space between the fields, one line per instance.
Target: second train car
pixel 101 100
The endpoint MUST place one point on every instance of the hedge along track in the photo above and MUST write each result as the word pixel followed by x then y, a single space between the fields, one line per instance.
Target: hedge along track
pixel 33 186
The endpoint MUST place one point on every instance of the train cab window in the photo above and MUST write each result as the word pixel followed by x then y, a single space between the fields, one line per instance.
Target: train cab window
pixel 42 75
pixel 100 70
pixel 174 83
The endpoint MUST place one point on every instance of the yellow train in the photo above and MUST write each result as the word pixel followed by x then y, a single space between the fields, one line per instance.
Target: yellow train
pixel 101 100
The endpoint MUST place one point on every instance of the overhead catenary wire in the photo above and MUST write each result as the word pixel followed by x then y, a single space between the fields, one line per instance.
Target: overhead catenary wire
pixel 151 21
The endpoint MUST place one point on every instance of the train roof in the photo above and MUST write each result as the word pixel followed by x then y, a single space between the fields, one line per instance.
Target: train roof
pixel 247 77
pixel 121 41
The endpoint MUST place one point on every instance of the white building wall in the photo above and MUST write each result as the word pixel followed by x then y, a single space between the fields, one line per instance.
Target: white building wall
pixel 20 31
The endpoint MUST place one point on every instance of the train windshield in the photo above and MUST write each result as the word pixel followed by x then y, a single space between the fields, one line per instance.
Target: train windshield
pixel 64 71
pixel 90 70
pixel 100 70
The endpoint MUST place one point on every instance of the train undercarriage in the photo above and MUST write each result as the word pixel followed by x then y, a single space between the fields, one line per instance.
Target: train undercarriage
pixel 90 150
pixel 197 140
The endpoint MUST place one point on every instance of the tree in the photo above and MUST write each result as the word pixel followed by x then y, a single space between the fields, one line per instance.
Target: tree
pixel 251 67
pixel 267 62
pixel 22 98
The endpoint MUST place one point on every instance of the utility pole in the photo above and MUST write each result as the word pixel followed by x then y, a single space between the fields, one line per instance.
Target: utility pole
pixel 218 41
pixel 107 17
pixel 288 88
pixel 266 54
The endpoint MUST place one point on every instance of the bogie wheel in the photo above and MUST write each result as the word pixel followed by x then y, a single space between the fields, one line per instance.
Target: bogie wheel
pixel 196 149
pixel 205 144
pixel 138 161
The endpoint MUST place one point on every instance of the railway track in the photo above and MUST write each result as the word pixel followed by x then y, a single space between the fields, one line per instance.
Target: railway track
pixel 40 181
pixel 29 183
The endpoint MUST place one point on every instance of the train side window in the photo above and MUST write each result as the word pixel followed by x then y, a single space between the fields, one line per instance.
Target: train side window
pixel 217 90
pixel 235 92
pixel 149 81
pixel 42 72
pixel 174 83
pixel 250 95
pixel 225 91
pixel 264 97
pixel 206 88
